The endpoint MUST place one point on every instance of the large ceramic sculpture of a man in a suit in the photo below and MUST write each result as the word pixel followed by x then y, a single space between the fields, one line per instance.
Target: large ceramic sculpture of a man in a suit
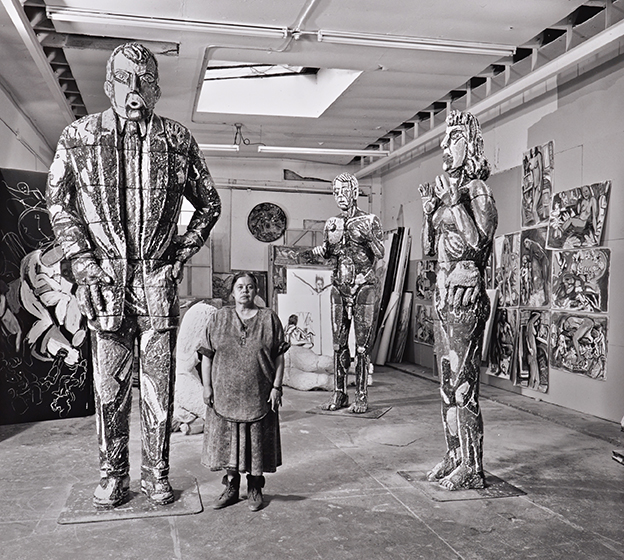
pixel 355 240
pixel 460 220
pixel 115 190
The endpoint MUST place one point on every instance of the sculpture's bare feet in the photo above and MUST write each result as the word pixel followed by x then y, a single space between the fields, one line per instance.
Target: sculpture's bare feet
pixel 463 478
pixel 360 405
pixel 445 467
pixel 338 400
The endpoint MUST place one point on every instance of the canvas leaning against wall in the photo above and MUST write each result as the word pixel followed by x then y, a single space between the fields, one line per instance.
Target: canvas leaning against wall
pixel 43 336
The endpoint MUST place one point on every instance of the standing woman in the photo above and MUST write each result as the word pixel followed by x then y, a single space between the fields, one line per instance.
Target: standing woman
pixel 242 372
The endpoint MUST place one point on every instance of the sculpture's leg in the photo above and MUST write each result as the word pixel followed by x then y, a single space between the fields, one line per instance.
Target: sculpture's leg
pixel 157 376
pixel 341 322
pixel 112 354
pixel 364 321
pixel 452 458
pixel 469 473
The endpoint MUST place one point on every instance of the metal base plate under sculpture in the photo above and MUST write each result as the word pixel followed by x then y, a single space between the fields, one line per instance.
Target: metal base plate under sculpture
pixel 373 412
pixel 495 487
pixel 79 507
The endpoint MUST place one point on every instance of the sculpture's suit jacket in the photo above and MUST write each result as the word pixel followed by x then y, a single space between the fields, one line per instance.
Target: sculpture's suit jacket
pixel 86 202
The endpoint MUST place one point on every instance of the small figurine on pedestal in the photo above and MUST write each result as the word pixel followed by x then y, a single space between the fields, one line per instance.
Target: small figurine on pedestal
pixel 114 194
pixel 460 219
pixel 355 240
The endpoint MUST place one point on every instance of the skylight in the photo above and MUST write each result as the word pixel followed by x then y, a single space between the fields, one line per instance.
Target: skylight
pixel 271 89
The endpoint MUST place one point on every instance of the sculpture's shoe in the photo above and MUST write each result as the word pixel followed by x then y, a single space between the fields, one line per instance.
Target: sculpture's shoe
pixel 230 494
pixel 445 467
pixel 158 491
pixel 338 400
pixel 463 478
pixel 254 492
pixel 111 491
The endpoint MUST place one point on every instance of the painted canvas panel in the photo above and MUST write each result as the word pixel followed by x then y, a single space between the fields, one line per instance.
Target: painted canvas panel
pixel 534 268
pixel 577 216
pixel 503 346
pixel 425 280
pixel 533 349
pixel 400 337
pixel 580 280
pixel 537 184
pixel 507 268
pixel 313 283
pixel 302 313
pixel 489 325
pixel 44 347
pixel 578 344
pixel 423 324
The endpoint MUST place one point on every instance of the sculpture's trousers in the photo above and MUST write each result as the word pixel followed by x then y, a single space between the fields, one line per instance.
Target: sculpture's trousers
pixel 113 354
pixel 362 309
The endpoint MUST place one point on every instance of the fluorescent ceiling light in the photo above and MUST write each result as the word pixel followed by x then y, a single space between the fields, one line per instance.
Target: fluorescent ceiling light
pixel 76 15
pixel 414 43
pixel 218 147
pixel 321 151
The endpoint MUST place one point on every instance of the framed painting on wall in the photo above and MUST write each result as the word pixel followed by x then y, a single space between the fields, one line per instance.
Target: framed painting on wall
pixel 425 280
pixel 423 324
pixel 537 184
pixel 534 268
pixel 580 280
pixel 578 344
pixel 577 217
pixel 507 268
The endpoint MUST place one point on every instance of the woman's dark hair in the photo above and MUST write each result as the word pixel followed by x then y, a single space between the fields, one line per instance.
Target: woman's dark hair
pixel 244 274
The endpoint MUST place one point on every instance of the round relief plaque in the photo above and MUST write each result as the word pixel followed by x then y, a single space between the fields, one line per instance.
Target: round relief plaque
pixel 267 222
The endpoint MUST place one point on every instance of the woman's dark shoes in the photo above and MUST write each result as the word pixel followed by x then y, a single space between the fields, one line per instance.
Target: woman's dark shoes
pixel 111 491
pixel 254 492
pixel 157 490
pixel 230 494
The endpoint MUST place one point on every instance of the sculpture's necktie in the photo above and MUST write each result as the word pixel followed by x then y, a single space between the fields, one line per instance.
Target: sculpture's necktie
pixel 132 188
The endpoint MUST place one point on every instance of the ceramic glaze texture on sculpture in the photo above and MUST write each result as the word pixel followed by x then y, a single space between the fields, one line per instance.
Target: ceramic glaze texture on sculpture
pixel 355 240
pixel 460 220
pixel 115 191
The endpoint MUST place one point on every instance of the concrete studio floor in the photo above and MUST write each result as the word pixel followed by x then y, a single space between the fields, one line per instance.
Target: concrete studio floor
pixel 339 494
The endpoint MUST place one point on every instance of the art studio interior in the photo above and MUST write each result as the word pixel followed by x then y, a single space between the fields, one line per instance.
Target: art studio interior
pixel 481 146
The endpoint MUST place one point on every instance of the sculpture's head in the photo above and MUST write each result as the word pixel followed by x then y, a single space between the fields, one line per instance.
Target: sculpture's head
pixel 462 147
pixel 132 81
pixel 346 191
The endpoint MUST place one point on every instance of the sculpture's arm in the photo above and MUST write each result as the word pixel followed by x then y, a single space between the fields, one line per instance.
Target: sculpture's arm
pixel 201 193
pixel 326 249
pixel 376 240
pixel 484 211
pixel 430 203
pixel 68 223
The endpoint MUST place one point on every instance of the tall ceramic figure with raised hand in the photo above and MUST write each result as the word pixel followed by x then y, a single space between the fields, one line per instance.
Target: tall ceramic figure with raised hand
pixel 460 220
pixel 355 240
pixel 115 190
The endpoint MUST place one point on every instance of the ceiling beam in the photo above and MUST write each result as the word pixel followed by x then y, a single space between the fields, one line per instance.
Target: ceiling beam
pixel 16 12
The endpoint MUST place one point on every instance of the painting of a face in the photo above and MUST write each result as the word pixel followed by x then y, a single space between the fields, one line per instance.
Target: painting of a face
pixel 133 89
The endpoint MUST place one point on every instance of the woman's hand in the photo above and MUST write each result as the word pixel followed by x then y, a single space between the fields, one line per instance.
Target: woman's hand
pixel 208 396
pixel 275 398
